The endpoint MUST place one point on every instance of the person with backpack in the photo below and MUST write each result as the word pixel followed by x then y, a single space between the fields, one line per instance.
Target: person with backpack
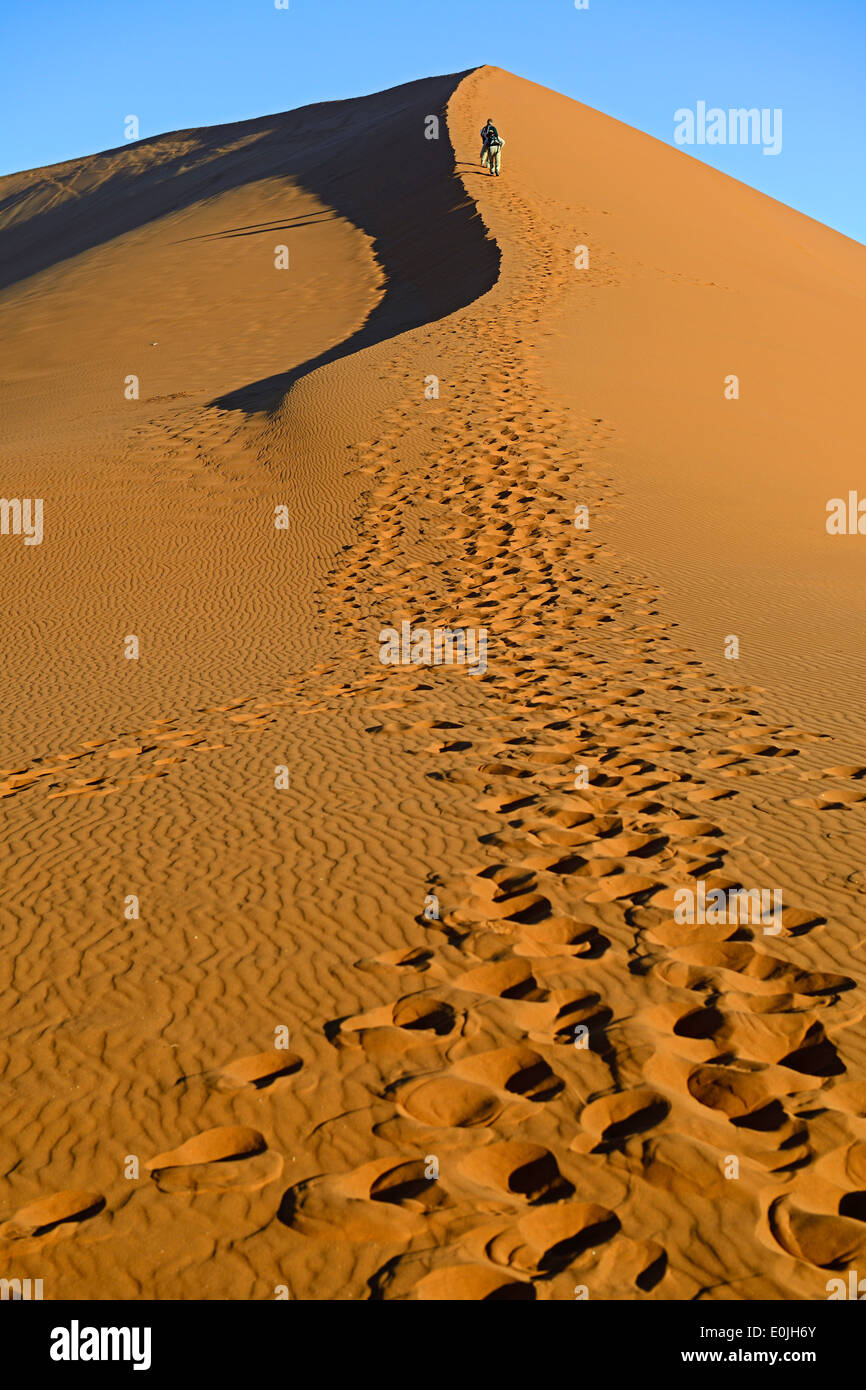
pixel 491 146
pixel 486 131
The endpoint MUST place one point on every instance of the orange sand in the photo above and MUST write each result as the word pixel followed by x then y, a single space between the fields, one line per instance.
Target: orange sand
pixel 334 1053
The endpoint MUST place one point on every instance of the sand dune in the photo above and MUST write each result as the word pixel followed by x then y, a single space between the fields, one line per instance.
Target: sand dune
pixel 349 980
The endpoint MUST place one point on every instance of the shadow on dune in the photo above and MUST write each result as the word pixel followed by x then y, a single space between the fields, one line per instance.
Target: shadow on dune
pixel 402 190
pixel 315 219
pixel 367 158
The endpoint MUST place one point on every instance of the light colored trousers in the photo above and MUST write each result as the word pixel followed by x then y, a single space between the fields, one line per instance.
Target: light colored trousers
pixel 493 157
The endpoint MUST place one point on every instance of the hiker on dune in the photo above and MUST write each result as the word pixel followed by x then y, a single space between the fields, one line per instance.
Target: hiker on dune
pixel 491 146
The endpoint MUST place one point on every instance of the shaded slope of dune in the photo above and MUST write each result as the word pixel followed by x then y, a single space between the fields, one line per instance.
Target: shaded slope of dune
pixel 694 278
pixel 369 159
pixel 396 185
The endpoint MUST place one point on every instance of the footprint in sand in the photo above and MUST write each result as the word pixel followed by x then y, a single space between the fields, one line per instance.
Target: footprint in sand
pixel 413 1031
pixel 258 1071
pixel 46 1214
pixel 515 1168
pixel 547 1015
pixel 384 1201
pixel 483 1087
pixel 561 936
pixel 780 1037
pixel 412 958
pixel 518 1070
pixel 228 1157
pixel 446 1102
pixel 471 1283
pixel 830 1242
pixel 414 1013
pixel 504 979
pixel 548 1239
pixel 744 1096
pixel 610 1120
pixel 628 1264
pixel 753 971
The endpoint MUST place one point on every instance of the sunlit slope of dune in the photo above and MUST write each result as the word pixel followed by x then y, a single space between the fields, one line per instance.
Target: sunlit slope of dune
pixel 692 279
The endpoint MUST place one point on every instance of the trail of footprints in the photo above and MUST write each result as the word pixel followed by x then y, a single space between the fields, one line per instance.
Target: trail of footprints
pixel 725 1052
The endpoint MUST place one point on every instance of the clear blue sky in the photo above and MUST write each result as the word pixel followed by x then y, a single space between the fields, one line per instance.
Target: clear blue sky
pixel 74 70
